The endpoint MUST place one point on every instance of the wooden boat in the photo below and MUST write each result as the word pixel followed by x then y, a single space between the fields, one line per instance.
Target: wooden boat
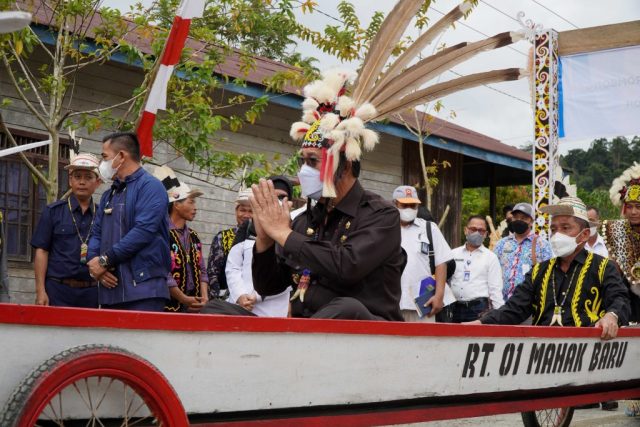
pixel 130 368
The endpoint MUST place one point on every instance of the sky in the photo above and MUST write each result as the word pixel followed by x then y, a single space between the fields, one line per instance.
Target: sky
pixel 502 111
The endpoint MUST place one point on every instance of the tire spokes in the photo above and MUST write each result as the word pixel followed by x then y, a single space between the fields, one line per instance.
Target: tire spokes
pixel 94 393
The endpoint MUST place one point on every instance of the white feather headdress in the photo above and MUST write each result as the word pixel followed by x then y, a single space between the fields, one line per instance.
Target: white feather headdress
pixel 335 121
pixel 626 187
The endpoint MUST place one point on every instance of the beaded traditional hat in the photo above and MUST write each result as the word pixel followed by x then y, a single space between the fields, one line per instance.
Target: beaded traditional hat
pixel 626 188
pixel 571 206
pixel 338 106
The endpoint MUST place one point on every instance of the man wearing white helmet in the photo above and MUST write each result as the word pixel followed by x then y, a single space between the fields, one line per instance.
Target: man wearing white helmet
pixel 61 238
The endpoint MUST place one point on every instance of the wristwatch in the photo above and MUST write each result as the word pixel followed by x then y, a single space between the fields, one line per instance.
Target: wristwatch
pixel 103 261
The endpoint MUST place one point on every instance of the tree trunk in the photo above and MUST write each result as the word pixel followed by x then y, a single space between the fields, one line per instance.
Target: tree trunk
pixel 425 176
pixel 54 154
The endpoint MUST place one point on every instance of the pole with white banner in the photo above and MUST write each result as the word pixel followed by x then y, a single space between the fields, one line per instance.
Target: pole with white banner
pixel 587 86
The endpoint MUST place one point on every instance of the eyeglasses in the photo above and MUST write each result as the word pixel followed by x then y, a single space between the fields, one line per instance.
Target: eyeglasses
pixel 310 161
pixel 477 230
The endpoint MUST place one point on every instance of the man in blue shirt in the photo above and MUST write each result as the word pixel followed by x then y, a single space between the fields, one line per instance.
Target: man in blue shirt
pixel 520 251
pixel 60 241
pixel 129 246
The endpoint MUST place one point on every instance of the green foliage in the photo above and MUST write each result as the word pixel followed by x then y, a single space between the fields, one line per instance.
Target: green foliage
pixel 600 199
pixel 348 41
pixel 593 170
pixel 596 167
pixel 475 201
pixel 197 110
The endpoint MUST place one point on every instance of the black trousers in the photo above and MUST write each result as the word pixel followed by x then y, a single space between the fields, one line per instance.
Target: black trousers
pixel 345 308
pixel 467 311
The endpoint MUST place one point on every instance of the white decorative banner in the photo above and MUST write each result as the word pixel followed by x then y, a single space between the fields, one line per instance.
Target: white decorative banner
pixel 600 94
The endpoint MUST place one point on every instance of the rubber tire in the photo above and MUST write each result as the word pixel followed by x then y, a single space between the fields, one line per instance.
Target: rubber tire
pixel 32 395
pixel 529 419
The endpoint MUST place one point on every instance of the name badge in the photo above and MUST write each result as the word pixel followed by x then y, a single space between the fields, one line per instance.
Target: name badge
pixel 467 276
pixel 424 248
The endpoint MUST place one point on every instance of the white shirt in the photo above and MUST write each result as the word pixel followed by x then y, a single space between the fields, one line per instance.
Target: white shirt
pixel 478 275
pixel 599 248
pixel 415 242
pixel 240 282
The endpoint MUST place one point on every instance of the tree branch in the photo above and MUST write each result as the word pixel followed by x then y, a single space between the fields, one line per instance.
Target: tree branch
pixel 34 170
pixel 444 217
pixel 21 93
pixel 80 65
pixel 99 110
pixel 28 76
pixel 42 45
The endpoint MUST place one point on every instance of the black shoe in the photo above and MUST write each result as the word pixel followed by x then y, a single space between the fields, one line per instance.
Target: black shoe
pixel 611 405
pixel 588 406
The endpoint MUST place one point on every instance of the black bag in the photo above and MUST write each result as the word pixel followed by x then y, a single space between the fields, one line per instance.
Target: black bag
pixel 451 264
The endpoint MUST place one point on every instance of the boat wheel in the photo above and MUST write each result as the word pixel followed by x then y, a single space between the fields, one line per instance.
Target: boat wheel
pixel 94 385
pixel 555 417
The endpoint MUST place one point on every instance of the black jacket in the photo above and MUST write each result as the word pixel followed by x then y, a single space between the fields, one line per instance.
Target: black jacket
pixel 596 288
pixel 353 251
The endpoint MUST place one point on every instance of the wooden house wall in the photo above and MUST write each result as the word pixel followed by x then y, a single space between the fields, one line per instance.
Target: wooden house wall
pixel 449 188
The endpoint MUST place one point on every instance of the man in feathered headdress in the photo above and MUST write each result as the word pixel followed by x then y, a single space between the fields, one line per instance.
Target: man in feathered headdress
pixel 343 257
pixel 622 239
pixel 345 253
pixel 622 236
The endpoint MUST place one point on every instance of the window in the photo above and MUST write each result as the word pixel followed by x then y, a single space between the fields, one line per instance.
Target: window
pixel 21 198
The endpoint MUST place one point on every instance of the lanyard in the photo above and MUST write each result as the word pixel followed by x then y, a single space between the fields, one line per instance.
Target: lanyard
pixel 557 308
pixel 84 248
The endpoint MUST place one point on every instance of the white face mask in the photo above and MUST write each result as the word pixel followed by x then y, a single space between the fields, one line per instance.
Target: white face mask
pixel 310 183
pixel 408 214
pixel 106 169
pixel 593 231
pixel 563 245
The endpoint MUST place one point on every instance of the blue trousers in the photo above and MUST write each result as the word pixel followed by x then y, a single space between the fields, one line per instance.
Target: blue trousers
pixel 61 295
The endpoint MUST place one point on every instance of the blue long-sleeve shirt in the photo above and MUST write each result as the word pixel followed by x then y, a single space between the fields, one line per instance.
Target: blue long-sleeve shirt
pixel 132 230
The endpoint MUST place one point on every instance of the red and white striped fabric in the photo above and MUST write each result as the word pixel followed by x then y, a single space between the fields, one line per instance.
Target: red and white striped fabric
pixel 157 100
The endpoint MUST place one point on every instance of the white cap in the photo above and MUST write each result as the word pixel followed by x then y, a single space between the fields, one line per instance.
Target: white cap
pixel 84 161
pixel 243 196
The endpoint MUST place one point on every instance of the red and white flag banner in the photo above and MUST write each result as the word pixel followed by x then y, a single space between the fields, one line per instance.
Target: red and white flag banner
pixel 174 45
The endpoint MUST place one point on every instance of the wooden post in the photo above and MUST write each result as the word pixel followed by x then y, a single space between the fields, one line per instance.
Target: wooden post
pixel 492 194
pixel 545 148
